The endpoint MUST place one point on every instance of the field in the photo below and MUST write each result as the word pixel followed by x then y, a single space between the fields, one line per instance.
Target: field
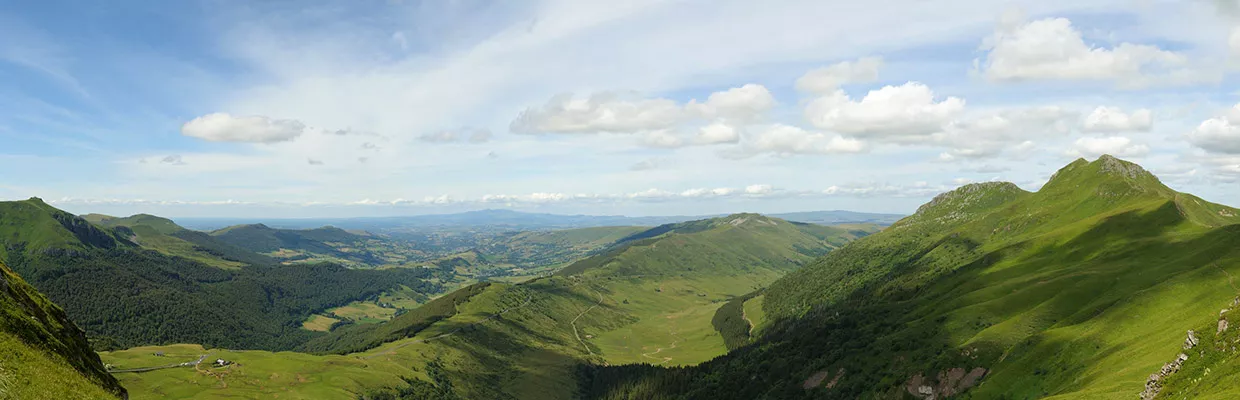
pixel 319 323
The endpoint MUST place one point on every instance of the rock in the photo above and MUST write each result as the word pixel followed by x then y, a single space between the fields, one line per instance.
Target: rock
pixel 1222 325
pixel 925 390
pixel 1191 341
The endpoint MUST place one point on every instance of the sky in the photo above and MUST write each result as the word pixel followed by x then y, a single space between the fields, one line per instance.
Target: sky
pixel 644 107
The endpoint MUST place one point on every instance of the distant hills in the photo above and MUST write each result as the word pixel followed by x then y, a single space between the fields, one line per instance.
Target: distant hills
pixel 144 280
pixel 517 220
pixel 1082 289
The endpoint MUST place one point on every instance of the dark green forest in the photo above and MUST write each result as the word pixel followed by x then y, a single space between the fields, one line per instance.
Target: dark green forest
pixel 127 297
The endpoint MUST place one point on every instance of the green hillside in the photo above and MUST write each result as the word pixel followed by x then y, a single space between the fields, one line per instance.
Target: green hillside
pixel 1080 290
pixel 165 236
pixel 316 245
pixel 648 299
pixel 126 294
pixel 43 355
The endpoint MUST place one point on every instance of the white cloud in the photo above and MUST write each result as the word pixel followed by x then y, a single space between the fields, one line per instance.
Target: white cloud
pixel 612 113
pixel 758 190
pixel 1003 131
pixel 741 103
pixel 1113 119
pixel 830 78
pixel 787 139
pixel 221 127
pixel 603 112
pixel 1233 42
pixel 1220 134
pixel 1118 146
pixel 1053 49
pixel 897 113
pixel 717 133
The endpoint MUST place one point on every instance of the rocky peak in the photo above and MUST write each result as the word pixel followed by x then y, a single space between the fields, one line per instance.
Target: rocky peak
pixel 973 193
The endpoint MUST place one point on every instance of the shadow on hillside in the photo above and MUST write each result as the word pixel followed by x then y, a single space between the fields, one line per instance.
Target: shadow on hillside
pixel 1005 299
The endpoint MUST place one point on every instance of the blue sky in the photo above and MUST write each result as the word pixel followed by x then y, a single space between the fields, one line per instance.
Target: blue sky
pixel 327 109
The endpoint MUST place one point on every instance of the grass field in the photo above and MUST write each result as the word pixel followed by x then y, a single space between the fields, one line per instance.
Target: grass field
pixel 319 323
pixel 755 315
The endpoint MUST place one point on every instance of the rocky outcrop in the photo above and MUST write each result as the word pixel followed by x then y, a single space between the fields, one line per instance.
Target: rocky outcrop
pixel 1191 341
pixel 1155 383
pixel 949 382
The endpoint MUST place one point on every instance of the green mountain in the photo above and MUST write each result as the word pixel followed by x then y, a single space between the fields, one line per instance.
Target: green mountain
pixel 306 245
pixel 1082 289
pixel 43 355
pixel 143 280
pixel 651 296
pixel 165 236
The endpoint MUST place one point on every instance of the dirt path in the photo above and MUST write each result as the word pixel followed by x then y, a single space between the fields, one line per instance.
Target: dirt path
pixel 184 364
pixel 574 321
pixel 660 350
pixel 746 318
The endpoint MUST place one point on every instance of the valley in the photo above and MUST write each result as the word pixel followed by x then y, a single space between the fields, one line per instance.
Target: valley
pixel 1081 289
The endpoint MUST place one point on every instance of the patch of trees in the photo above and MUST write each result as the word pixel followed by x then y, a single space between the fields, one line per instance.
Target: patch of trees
pixel 730 321
pixel 124 298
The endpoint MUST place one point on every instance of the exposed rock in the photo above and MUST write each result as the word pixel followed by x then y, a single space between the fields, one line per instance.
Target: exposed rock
pixel 838 374
pixel 816 379
pixel 1222 325
pixel 1190 341
pixel 1154 384
pixel 950 382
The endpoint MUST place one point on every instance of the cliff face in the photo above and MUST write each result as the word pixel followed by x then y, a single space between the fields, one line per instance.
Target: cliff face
pixel 42 353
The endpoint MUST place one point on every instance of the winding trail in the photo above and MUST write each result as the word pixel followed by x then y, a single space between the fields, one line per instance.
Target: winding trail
pixel 659 350
pixel 583 313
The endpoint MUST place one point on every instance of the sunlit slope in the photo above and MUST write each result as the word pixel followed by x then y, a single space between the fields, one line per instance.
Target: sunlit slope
pixel 164 235
pixel 650 299
pixel 1080 290
pixel 43 355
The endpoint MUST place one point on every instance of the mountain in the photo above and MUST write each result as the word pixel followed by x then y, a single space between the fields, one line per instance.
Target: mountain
pixel 651 295
pixel 143 280
pixel 165 236
pixel 1082 289
pixel 516 220
pixel 43 355
pixel 302 245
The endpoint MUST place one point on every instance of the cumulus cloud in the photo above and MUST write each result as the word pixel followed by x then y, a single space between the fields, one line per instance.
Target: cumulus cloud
pixel 1113 119
pixel 759 189
pixel 470 135
pixel 787 139
pixel 221 127
pixel 830 78
pixel 1007 130
pixel 741 103
pixel 1118 146
pixel 897 113
pixel 717 133
pixel 662 139
pixel 1220 134
pixel 1053 49
pixel 604 112
pixel 612 113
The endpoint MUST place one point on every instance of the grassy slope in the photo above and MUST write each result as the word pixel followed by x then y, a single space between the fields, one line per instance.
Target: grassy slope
pixel 532 349
pixel 42 354
pixel 1080 290
pixel 165 236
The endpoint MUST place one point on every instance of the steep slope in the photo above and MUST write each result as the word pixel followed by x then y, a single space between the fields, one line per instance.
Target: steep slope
pixel 1080 290
pixel 125 295
pixel 165 236
pixel 43 355
pixel 650 298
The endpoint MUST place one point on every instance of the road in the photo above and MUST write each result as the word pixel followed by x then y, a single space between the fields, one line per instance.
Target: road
pixel 184 364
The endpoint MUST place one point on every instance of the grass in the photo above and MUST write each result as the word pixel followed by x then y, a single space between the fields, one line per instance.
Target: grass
pixel 364 312
pixel 1079 291
pixel 319 323
pixel 754 313
pixel 29 373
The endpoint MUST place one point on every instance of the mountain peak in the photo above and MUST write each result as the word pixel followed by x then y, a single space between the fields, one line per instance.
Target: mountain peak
pixel 1106 170
pixel 973 195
